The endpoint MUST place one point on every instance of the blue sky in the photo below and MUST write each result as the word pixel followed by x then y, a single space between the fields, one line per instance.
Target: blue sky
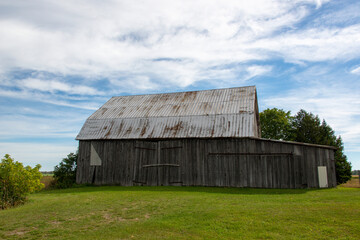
pixel 61 60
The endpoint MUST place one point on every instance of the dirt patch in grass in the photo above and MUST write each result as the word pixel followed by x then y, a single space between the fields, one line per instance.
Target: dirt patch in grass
pixel 353 183
pixel 110 218
pixel 18 232
pixel 55 223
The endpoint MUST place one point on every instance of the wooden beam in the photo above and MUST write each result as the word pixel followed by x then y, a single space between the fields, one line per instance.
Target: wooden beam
pixel 161 165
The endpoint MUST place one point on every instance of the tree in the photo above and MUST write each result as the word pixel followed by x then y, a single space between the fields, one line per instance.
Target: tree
pixel 17 181
pixel 65 172
pixel 342 166
pixel 276 124
pixel 305 127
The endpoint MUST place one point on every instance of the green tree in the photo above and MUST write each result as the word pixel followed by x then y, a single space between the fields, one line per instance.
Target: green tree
pixel 305 127
pixel 65 172
pixel 342 166
pixel 17 181
pixel 276 124
pixel 309 129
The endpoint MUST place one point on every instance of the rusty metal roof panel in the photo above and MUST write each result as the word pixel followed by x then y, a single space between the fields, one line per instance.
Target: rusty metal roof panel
pixel 171 127
pixel 211 113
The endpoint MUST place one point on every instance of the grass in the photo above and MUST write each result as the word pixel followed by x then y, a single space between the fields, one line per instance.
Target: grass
pixel 47 174
pixel 353 183
pixel 185 213
pixel 46 180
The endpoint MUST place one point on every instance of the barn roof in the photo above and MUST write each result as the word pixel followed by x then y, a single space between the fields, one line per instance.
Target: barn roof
pixel 231 112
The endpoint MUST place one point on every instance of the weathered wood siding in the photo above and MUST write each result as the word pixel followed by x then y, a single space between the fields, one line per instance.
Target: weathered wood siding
pixel 224 162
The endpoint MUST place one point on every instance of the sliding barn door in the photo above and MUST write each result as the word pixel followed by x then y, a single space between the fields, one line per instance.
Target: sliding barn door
pixel 169 163
pixel 157 163
pixel 145 157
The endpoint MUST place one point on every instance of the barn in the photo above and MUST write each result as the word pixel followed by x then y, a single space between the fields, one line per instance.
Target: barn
pixel 198 138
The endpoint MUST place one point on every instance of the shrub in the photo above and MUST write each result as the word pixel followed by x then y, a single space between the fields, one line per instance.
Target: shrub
pixel 65 172
pixel 17 181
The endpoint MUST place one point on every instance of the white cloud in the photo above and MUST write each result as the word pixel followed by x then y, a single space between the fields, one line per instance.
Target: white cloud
pixel 134 84
pixel 340 14
pixel 24 125
pixel 356 71
pixel 314 44
pixel 55 100
pixel 257 70
pixel 320 2
pixel 53 85
pixel 104 40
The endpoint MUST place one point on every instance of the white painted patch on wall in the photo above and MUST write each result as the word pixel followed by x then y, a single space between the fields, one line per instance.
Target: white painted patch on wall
pixel 95 159
pixel 323 180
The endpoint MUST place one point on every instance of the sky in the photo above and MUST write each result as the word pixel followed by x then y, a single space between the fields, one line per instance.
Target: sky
pixel 61 60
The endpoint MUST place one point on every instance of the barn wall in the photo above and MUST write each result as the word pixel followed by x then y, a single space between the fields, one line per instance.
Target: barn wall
pixel 226 162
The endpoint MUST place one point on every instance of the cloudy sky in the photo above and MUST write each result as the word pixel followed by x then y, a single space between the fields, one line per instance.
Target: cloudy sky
pixel 61 60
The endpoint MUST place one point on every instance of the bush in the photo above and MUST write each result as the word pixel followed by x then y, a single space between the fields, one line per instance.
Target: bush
pixel 17 181
pixel 65 172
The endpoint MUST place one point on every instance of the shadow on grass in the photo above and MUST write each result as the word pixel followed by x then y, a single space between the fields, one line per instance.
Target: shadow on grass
pixel 222 190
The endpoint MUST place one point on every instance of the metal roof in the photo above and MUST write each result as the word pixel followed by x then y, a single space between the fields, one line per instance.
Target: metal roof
pixel 228 112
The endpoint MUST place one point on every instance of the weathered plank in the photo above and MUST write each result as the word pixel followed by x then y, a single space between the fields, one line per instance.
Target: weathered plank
pixel 234 162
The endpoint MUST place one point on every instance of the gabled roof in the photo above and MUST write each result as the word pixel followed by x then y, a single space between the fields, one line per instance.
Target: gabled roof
pixel 231 112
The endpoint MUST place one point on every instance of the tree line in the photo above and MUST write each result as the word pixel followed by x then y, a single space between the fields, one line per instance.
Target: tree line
pixel 307 128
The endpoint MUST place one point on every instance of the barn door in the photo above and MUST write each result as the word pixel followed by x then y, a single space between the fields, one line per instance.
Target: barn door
pixel 146 157
pixel 157 163
pixel 169 163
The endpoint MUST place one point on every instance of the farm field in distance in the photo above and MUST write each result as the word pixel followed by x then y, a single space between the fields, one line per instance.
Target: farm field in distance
pixel 113 212
pixel 353 182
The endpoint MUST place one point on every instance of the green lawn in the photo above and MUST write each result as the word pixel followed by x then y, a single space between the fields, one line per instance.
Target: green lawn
pixel 185 213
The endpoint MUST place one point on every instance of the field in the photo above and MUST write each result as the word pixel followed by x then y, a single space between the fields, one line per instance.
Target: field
pixel 46 180
pixel 354 182
pixel 185 213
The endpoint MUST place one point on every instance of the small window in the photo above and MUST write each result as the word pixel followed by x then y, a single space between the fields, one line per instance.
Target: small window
pixel 95 159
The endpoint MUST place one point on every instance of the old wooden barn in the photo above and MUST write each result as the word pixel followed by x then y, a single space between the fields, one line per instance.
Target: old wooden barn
pixel 199 138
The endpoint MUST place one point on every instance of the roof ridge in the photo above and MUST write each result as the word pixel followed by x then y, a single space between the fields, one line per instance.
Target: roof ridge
pixel 215 89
